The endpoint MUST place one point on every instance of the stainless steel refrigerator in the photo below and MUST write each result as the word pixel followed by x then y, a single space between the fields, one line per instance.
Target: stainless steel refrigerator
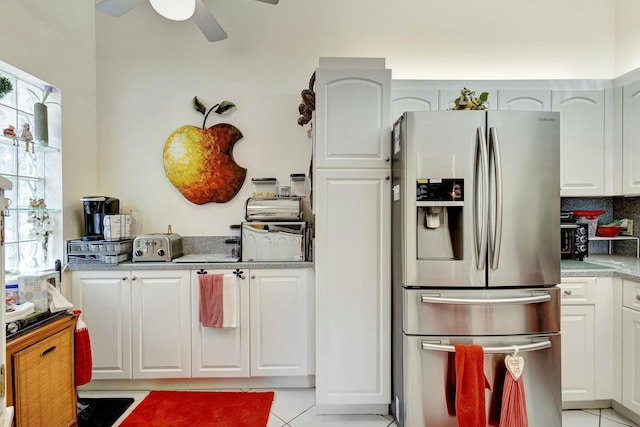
pixel 475 259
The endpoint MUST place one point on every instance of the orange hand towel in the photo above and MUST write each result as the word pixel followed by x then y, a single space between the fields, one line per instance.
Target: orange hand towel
pixel 211 314
pixel 470 385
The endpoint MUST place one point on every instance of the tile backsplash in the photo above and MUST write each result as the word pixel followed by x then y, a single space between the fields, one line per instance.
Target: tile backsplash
pixel 615 208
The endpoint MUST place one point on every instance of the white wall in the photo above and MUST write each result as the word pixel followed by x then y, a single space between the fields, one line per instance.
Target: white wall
pixel 150 68
pixel 55 42
pixel 627 36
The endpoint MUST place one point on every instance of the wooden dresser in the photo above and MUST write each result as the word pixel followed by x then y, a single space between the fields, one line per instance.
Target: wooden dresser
pixel 40 375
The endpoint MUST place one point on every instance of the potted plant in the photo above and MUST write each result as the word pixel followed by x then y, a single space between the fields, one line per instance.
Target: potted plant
pixel 5 86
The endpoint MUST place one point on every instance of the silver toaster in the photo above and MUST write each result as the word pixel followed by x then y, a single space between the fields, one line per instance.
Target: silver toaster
pixel 157 247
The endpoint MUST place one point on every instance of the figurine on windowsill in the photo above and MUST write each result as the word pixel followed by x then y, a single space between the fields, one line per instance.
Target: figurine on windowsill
pixel 9 131
pixel 26 136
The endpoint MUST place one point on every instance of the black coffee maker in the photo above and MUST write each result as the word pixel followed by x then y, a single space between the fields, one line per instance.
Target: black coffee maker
pixel 95 208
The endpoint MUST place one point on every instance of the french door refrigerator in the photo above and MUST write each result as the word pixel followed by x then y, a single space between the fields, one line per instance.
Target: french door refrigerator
pixel 475 259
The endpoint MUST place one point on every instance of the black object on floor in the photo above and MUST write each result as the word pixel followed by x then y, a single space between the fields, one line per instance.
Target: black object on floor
pixel 101 412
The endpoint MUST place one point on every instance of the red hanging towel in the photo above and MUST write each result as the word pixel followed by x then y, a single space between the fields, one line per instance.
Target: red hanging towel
pixel 211 313
pixel 470 385
pixel 83 363
pixel 514 404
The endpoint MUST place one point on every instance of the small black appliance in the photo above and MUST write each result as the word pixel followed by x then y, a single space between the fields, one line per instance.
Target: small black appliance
pixel 574 237
pixel 95 208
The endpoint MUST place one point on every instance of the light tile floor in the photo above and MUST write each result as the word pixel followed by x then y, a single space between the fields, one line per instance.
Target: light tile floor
pixel 296 408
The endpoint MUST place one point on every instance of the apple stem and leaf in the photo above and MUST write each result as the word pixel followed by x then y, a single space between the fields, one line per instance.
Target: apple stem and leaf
pixel 220 108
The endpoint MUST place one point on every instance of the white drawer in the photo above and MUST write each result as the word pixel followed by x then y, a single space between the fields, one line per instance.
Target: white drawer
pixel 631 294
pixel 577 290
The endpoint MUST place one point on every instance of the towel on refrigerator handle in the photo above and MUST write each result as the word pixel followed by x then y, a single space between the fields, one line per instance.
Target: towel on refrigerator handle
pixel 470 385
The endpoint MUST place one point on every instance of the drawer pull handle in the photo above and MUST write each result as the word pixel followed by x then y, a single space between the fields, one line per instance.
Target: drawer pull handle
pixel 568 292
pixel 47 351
pixel 535 299
pixel 534 346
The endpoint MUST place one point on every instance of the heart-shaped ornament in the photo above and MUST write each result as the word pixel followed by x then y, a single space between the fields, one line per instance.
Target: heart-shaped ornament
pixel 515 365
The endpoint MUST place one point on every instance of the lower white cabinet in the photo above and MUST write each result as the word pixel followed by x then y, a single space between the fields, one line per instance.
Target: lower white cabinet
pixel 577 314
pixel 220 352
pixel 631 346
pixel 145 324
pixel 105 300
pixel 161 324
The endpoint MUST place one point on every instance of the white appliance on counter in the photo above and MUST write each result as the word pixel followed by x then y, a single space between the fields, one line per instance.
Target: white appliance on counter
pixel 475 235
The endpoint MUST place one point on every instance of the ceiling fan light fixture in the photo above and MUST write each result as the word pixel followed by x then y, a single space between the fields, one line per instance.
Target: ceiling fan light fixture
pixel 176 10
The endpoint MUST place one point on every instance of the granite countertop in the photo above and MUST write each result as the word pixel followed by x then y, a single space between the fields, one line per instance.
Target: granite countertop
pixel 128 265
pixel 602 265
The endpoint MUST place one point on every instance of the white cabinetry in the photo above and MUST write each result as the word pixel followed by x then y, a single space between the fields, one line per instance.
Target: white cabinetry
pixel 279 322
pixel 105 300
pixel 220 352
pixel 524 100
pixel 582 150
pixel 631 139
pixel 352 245
pixel 161 324
pixel 631 346
pixel 578 338
pixel 417 99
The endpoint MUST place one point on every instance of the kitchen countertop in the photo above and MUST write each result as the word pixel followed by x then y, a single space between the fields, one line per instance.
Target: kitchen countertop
pixel 129 265
pixel 602 265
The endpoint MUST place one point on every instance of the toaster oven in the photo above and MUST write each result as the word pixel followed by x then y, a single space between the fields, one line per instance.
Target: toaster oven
pixel 574 238
pixel 274 241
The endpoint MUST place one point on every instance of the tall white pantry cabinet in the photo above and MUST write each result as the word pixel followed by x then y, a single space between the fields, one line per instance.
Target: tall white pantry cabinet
pixel 352 192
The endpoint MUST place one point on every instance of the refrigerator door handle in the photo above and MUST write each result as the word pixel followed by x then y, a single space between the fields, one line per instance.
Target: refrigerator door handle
pixel 435 299
pixel 494 151
pixel 481 200
pixel 539 345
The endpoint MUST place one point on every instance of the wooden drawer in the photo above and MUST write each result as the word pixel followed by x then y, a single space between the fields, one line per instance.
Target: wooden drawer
pixel 631 294
pixel 578 290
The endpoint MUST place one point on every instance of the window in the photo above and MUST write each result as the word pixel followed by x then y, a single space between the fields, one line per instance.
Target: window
pixel 33 167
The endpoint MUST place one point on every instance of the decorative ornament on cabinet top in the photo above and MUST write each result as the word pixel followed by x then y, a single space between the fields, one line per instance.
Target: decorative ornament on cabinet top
pixel 199 161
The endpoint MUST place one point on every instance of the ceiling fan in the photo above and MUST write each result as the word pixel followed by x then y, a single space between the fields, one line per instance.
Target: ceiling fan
pixel 177 10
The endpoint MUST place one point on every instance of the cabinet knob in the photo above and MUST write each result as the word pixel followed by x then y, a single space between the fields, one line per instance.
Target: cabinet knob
pixel 124 278
pixel 637 297
pixel 568 292
pixel 387 159
pixel 387 178
pixel 253 276
pixel 134 278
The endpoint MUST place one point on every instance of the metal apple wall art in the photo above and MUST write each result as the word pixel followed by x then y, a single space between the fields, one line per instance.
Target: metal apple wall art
pixel 199 161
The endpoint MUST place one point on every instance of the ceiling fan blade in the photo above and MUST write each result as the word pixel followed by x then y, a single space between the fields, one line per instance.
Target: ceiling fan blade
pixel 117 7
pixel 208 24
pixel 270 1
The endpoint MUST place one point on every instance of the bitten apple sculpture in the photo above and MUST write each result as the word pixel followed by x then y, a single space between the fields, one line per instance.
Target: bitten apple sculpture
pixel 199 162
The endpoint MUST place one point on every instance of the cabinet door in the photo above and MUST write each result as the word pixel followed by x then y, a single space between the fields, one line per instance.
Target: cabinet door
pixel 221 352
pixel 582 141
pixel 524 100
pixel 279 320
pixel 353 290
pixel 631 139
pixel 631 359
pixel 578 349
pixel 353 118
pixel 418 99
pixel 105 300
pixel 161 324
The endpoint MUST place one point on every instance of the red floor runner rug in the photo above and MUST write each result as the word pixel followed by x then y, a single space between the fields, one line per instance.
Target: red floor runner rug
pixel 202 409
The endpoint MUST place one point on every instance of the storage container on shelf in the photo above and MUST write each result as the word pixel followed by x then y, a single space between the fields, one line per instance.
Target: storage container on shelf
pixel 298 184
pixel 263 187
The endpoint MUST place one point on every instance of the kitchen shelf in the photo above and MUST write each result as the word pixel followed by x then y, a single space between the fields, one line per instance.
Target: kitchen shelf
pixel 6 140
pixel 617 238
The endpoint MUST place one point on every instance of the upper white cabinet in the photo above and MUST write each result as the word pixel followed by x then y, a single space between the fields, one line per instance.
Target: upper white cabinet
pixel 105 300
pixel 352 118
pixel 524 100
pixel 417 99
pixel 631 139
pixel 161 324
pixel 582 149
